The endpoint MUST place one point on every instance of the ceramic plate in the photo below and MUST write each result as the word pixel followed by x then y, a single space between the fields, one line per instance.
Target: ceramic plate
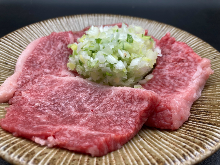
pixel 197 139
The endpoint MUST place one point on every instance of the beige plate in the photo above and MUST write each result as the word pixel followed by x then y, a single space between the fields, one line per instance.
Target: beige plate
pixel 197 139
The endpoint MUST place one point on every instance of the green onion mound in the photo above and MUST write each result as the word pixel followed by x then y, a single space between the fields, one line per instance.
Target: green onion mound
pixel 114 56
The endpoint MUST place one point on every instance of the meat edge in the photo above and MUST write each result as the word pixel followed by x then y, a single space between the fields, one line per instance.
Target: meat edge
pixel 52 141
pixel 182 103
pixel 9 86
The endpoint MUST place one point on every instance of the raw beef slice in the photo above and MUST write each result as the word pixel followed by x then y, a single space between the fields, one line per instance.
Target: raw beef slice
pixel 53 107
pixel 77 114
pixel 46 55
pixel 178 78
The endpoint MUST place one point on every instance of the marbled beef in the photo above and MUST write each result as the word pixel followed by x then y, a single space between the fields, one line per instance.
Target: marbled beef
pixel 53 107
pixel 77 114
pixel 46 55
pixel 178 78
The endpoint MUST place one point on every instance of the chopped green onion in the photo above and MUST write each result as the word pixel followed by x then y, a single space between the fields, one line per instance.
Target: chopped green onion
pixel 98 40
pixel 80 63
pixel 114 56
pixel 108 74
pixel 129 38
pixel 138 86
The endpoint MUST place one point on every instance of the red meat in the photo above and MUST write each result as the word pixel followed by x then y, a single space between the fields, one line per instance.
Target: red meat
pixel 46 55
pixel 79 115
pixel 178 78
pixel 53 107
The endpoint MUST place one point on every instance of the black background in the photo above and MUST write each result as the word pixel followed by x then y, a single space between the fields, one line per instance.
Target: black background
pixel 198 17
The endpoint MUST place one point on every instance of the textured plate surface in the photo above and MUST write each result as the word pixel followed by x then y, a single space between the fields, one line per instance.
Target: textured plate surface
pixel 197 139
